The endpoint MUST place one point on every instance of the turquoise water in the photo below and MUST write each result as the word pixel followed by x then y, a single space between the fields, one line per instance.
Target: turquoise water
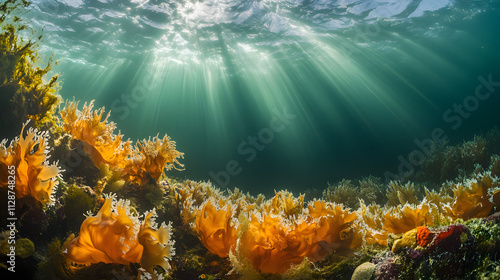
pixel 267 95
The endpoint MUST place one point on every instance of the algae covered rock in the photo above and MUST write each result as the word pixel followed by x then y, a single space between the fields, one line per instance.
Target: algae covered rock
pixel 24 248
pixel 364 271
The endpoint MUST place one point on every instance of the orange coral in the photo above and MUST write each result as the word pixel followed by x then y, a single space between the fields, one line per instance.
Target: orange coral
pixel 274 235
pixel 158 246
pixel 472 199
pixel 148 159
pixel 33 175
pixel 116 236
pixel 273 243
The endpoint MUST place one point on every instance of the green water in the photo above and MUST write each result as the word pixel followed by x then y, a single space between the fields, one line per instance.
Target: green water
pixel 267 95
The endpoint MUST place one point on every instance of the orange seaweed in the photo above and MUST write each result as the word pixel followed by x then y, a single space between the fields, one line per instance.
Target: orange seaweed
pixel 27 158
pixel 148 159
pixel 114 235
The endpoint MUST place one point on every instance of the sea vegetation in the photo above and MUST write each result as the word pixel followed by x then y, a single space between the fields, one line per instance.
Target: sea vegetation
pixel 440 222
pixel 140 164
pixel 24 168
pixel 448 162
pixel 115 235
pixel 349 193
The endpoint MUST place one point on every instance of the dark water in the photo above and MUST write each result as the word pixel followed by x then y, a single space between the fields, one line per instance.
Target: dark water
pixel 266 95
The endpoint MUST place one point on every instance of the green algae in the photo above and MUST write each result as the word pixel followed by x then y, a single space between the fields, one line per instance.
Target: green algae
pixel 24 247
pixel 77 202
pixel 55 265
pixel 25 90
pixel 484 232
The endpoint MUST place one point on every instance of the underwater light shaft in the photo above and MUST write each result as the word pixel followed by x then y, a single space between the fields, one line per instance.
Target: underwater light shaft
pixel 363 80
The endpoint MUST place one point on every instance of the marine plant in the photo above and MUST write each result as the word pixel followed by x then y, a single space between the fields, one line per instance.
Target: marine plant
pixel 446 163
pixel 24 246
pixel 145 161
pixel 76 202
pixel 348 192
pixel 399 194
pixel 24 162
pixel 403 218
pixel 344 192
pixel 23 92
pixel 217 227
pixel 473 198
pixel 281 235
pixel 114 235
pixel 372 218
pixel 273 235
pixel 278 233
pixel 371 190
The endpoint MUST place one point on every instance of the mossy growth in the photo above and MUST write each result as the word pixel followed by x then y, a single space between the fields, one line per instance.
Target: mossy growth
pixel 340 267
pixel 487 270
pixel 485 233
pixel 25 90
pixel 55 265
pixel 198 262
pixel 148 196
pixel 77 202
pixel 454 259
pixel 303 271
pixel 24 247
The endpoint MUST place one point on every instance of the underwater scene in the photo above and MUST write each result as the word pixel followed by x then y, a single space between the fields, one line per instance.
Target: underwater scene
pixel 249 139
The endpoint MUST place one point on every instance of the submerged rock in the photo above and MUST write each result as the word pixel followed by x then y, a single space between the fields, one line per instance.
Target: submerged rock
pixel 364 271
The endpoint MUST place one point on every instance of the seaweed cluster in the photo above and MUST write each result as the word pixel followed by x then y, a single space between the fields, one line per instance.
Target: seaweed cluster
pixel 146 160
pixel 24 93
pixel 24 164
pixel 273 235
pixel 447 162
pixel 99 222
pixel 114 235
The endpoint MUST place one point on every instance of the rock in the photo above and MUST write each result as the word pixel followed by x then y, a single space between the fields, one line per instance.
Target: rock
pixel 386 270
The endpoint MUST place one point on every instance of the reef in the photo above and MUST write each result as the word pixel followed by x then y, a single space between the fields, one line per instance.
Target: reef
pixel 97 219
pixel 24 92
